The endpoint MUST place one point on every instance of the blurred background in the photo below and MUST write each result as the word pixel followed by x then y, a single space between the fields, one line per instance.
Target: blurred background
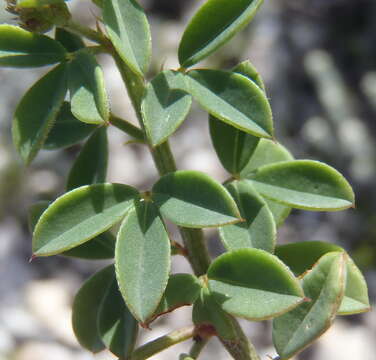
pixel 318 60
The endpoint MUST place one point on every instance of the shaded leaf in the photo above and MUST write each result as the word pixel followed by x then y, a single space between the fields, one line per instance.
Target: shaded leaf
pixel 142 259
pixel 88 96
pixel 116 325
pixel 128 30
pixel 304 184
pixel 253 284
pixel 232 98
pixel 165 106
pixel 90 167
pixel 37 111
pixel 258 230
pixel 80 215
pixel 67 130
pixel 70 41
pixel 101 247
pixel 181 290
pixel 206 311
pixel 325 286
pixel 194 199
pixel 215 23
pixel 247 69
pixel 21 48
pixel 86 306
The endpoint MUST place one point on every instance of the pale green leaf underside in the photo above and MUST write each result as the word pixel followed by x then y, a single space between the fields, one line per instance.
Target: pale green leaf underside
pixel 165 105
pixel 232 98
pixel 194 199
pixel 215 23
pixel 142 259
pixel 253 284
pixel 304 184
pixel 128 30
pixel 21 48
pixel 80 215
pixel 324 285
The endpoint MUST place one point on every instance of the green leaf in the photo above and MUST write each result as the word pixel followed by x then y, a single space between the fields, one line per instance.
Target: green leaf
pixel 253 284
pixel 117 327
pixel 70 41
pixel 101 247
pixel 258 230
pixel 128 30
pixel 181 290
pixel 37 111
pixel 325 286
pixel 86 306
pixel 247 69
pixel 90 166
pixel 206 311
pixel 280 212
pixel 302 256
pixel 194 199
pixel 356 298
pixel 20 48
pixel 80 215
pixel 67 130
pixel 232 98
pixel 215 23
pixel 165 105
pixel 142 259
pixel 304 184
pixel 89 101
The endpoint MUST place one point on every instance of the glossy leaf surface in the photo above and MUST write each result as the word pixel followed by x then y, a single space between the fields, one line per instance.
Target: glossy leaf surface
pixel 70 41
pixel 215 23
pixel 86 307
pixel 21 48
pixel 80 215
pixel 89 101
pixel 142 259
pixel 181 290
pixel 116 325
pixel 206 311
pixel 258 230
pixel 101 247
pixel 128 30
pixel 232 98
pixel 37 111
pixel 253 284
pixel 304 184
pixel 194 199
pixel 90 167
pixel 325 286
pixel 165 105
pixel 67 130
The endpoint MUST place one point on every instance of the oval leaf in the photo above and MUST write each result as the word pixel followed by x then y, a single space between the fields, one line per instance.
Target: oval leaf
pixel 67 130
pixel 70 41
pixel 165 106
pixel 37 111
pixel 128 30
pixel 194 199
pixel 215 23
pixel 247 69
pixel 325 286
pixel 117 327
pixel 21 48
pixel 258 230
pixel 181 290
pixel 86 307
pixel 90 166
pixel 89 102
pixel 101 247
pixel 304 184
pixel 232 98
pixel 142 259
pixel 80 215
pixel 253 284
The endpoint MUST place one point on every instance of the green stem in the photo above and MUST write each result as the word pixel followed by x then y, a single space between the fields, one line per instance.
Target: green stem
pixel 86 32
pixel 127 127
pixel 162 343
pixel 197 347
